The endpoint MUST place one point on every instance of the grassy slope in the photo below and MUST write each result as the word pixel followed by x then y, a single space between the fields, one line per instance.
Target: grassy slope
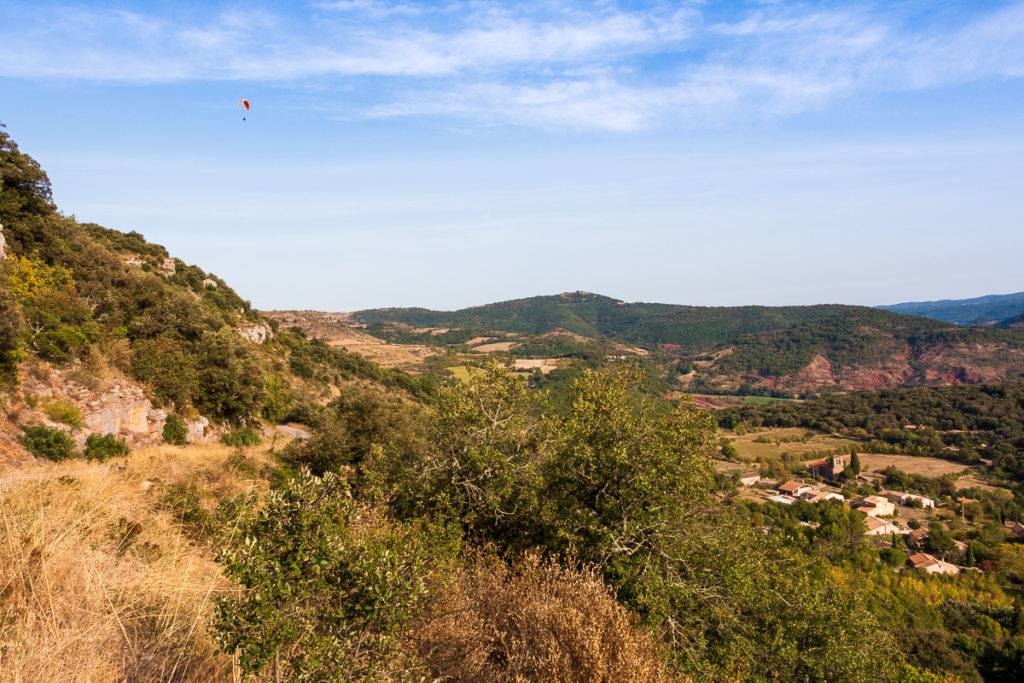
pixel 102 580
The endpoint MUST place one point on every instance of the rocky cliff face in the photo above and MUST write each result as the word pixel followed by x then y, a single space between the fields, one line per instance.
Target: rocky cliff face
pixel 3 243
pixel 115 405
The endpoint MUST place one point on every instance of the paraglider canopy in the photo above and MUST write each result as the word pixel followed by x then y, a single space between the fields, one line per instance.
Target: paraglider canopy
pixel 244 103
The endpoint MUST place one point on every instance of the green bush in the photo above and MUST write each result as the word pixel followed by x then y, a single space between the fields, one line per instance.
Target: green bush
pixel 49 443
pixel 246 436
pixel 65 413
pixel 104 447
pixel 174 430
pixel 326 587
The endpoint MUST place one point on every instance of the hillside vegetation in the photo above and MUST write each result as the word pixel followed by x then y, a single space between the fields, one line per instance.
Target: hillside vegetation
pixel 548 521
pixel 109 310
pixel 782 351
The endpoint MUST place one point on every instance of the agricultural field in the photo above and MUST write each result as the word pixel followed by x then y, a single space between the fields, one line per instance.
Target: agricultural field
pixel 545 365
pixel 911 464
pixel 494 346
pixel 462 372
pixel 770 444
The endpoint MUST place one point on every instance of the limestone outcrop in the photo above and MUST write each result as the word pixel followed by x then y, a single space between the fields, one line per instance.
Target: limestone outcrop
pixel 255 333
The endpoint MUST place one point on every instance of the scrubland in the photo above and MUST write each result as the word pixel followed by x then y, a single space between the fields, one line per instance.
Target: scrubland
pixel 106 575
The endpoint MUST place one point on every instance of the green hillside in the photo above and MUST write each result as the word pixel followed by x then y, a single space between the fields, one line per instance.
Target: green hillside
pixel 743 349
pixel 79 293
pixel 593 315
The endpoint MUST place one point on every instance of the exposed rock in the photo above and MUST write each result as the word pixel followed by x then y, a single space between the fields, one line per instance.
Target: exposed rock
pixel 255 333
pixel 3 243
pixel 210 283
pixel 168 267
pixel 198 430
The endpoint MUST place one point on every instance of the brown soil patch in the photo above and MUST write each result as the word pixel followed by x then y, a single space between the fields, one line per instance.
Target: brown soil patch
pixel 545 365
pixel 496 346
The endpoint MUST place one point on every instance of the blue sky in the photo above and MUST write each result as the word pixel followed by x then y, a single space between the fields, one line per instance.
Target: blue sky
pixel 456 153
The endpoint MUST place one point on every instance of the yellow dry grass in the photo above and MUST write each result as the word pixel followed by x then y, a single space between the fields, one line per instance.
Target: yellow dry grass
pixel 911 464
pixel 494 346
pixel 98 582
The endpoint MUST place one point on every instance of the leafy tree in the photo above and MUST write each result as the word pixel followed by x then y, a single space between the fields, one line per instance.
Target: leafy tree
pixel 939 540
pixel 481 466
pixel 854 462
pixel 11 323
pixel 353 424
pixel 229 378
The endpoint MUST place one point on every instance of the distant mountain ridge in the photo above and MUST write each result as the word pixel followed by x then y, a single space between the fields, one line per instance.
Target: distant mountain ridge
pixel 787 350
pixel 594 315
pixel 983 310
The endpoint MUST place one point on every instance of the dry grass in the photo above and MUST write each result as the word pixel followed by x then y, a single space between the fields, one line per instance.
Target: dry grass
pixel 911 464
pixel 545 365
pixel 536 621
pixel 97 581
pixel 752 451
pixel 495 346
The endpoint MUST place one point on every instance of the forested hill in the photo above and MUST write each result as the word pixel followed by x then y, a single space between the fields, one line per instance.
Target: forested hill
pixel 593 315
pixel 982 310
pixel 784 350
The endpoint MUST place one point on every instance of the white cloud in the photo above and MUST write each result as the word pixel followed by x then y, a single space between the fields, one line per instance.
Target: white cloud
pixel 559 65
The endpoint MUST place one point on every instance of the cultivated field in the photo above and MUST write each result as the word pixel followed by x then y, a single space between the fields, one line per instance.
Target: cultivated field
pixel 753 447
pixel 545 365
pixel 496 346
pixel 911 464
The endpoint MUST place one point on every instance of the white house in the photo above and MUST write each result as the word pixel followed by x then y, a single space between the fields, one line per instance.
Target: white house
pixel 876 506
pixel 932 564
pixel 905 498
pixel 881 527
pixel 750 478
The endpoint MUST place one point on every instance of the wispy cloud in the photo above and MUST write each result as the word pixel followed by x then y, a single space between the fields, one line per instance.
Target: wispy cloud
pixel 552 65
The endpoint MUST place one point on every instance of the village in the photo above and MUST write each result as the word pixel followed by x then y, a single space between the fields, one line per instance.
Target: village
pixel 888 514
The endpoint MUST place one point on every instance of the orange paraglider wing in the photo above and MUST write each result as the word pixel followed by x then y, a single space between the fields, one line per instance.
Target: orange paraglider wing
pixel 244 103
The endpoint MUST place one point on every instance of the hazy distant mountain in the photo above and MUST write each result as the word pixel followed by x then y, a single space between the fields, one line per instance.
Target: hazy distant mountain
pixel 983 310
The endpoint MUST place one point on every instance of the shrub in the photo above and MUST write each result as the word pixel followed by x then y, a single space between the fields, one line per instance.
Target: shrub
pixel 104 447
pixel 49 443
pixel 175 432
pixel 326 586
pixel 246 436
pixel 65 413
pixel 533 621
